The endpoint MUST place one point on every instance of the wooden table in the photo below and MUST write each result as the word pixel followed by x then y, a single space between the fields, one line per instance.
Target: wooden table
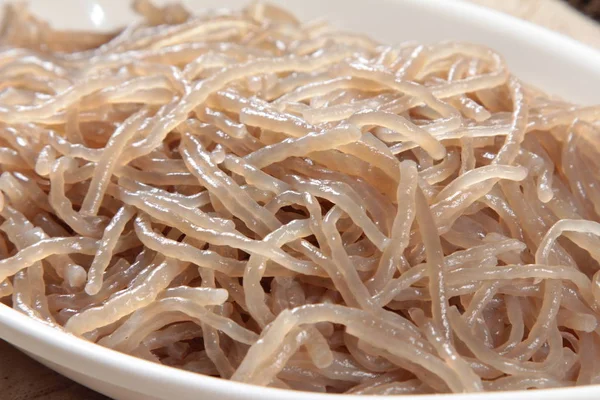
pixel 21 378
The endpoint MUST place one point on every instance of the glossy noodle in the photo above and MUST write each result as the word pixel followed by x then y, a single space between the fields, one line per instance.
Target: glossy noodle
pixel 243 195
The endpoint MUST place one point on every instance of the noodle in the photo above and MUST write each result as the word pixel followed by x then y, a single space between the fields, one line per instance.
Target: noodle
pixel 244 195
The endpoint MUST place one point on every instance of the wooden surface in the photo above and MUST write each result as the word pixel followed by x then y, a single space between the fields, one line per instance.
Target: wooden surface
pixel 552 14
pixel 21 378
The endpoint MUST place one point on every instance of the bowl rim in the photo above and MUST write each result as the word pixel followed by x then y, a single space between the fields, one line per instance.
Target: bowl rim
pixel 43 340
pixel 505 20
pixel 22 328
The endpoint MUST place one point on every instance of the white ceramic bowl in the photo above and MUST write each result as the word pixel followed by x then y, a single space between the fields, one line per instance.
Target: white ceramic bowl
pixel 548 60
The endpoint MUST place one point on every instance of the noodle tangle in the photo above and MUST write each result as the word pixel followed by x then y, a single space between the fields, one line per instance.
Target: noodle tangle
pixel 244 195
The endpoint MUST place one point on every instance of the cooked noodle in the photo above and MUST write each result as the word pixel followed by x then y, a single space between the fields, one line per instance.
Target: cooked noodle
pixel 243 195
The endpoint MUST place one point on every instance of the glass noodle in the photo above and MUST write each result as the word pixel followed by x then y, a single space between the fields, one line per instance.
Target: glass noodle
pixel 244 195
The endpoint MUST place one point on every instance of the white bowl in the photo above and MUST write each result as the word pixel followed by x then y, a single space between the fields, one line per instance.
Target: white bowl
pixel 548 60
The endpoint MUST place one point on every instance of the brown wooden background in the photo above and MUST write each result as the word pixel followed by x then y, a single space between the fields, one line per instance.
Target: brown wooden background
pixel 21 378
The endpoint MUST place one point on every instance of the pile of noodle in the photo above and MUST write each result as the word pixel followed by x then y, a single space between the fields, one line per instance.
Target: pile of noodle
pixel 246 196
